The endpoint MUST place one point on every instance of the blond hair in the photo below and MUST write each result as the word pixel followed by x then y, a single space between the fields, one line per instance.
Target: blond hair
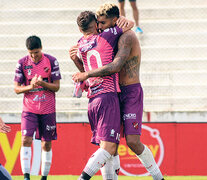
pixel 109 10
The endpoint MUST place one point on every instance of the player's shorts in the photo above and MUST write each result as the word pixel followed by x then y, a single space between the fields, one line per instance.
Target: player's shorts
pixel 104 118
pixel 131 106
pixel 43 124
pixel 124 0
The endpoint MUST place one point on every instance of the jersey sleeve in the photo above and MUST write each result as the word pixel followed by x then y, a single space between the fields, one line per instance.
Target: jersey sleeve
pixel 111 34
pixel 55 70
pixel 19 74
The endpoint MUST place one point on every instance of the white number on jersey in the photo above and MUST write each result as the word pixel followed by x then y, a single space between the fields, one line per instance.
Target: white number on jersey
pixel 97 56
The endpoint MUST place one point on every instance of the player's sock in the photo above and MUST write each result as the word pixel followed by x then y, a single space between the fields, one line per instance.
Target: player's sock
pixel 107 170
pixel 46 162
pixel 116 166
pixel 149 163
pixel 25 157
pixel 96 161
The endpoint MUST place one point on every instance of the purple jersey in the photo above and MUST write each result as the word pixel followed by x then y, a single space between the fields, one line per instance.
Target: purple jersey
pixel 97 51
pixel 39 100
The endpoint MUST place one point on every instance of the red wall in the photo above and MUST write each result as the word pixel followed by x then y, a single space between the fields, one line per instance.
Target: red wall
pixel 179 149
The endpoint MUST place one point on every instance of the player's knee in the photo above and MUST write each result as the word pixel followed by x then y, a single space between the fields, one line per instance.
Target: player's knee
pixel 133 142
pixel 111 148
pixel 26 141
pixel 46 146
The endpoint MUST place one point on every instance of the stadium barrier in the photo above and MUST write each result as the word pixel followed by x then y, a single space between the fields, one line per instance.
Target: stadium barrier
pixel 178 148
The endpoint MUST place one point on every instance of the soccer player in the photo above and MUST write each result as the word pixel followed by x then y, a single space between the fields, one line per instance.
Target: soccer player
pixel 127 63
pixel 95 51
pixel 4 174
pixel 38 77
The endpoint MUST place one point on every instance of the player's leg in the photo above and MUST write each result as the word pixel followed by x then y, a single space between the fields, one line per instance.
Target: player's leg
pixel 145 156
pixel 135 15
pixel 116 166
pixel 4 174
pixel 111 168
pixel 47 133
pixel 29 123
pixel 46 159
pixel 105 125
pixel 25 156
pixel 107 169
pixel 135 11
pixel 98 159
pixel 132 109
pixel 121 7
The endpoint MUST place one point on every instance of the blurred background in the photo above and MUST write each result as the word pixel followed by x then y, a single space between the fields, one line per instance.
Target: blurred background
pixel 174 55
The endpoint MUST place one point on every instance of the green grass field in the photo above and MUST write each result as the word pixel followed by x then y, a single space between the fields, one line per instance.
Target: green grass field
pixel 120 178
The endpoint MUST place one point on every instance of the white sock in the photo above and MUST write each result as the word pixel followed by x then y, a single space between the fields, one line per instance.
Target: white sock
pixel 149 163
pixel 116 166
pixel 107 169
pixel 25 158
pixel 46 162
pixel 96 161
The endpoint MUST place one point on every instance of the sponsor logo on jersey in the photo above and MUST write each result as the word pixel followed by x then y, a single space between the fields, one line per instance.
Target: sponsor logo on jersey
pixel 46 69
pixel 29 72
pixel 28 67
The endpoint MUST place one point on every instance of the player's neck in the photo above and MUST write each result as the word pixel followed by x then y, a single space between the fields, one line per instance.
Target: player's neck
pixel 36 60
pixel 87 35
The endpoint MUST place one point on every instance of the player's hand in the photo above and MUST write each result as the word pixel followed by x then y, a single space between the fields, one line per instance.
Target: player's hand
pixel 122 22
pixel 39 80
pixel 34 81
pixel 73 52
pixel 3 127
pixel 80 76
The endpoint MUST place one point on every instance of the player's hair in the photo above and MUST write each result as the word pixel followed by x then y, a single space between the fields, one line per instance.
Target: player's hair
pixel 33 42
pixel 109 10
pixel 85 19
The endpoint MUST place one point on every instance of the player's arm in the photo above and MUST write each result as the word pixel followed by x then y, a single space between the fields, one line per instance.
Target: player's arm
pixel 3 127
pixel 18 88
pixel 77 61
pixel 54 86
pixel 124 23
pixel 124 45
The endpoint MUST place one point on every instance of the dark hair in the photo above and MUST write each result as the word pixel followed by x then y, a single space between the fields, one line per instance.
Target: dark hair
pixel 109 10
pixel 33 42
pixel 84 20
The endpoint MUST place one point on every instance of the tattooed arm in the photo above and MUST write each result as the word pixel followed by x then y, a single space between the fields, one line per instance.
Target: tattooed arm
pixel 124 45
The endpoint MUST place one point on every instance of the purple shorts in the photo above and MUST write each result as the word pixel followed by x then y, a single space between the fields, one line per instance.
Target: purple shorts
pixel 43 124
pixel 131 105
pixel 104 118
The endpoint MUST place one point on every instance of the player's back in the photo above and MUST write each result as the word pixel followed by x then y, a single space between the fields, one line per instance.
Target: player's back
pixel 129 73
pixel 97 51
